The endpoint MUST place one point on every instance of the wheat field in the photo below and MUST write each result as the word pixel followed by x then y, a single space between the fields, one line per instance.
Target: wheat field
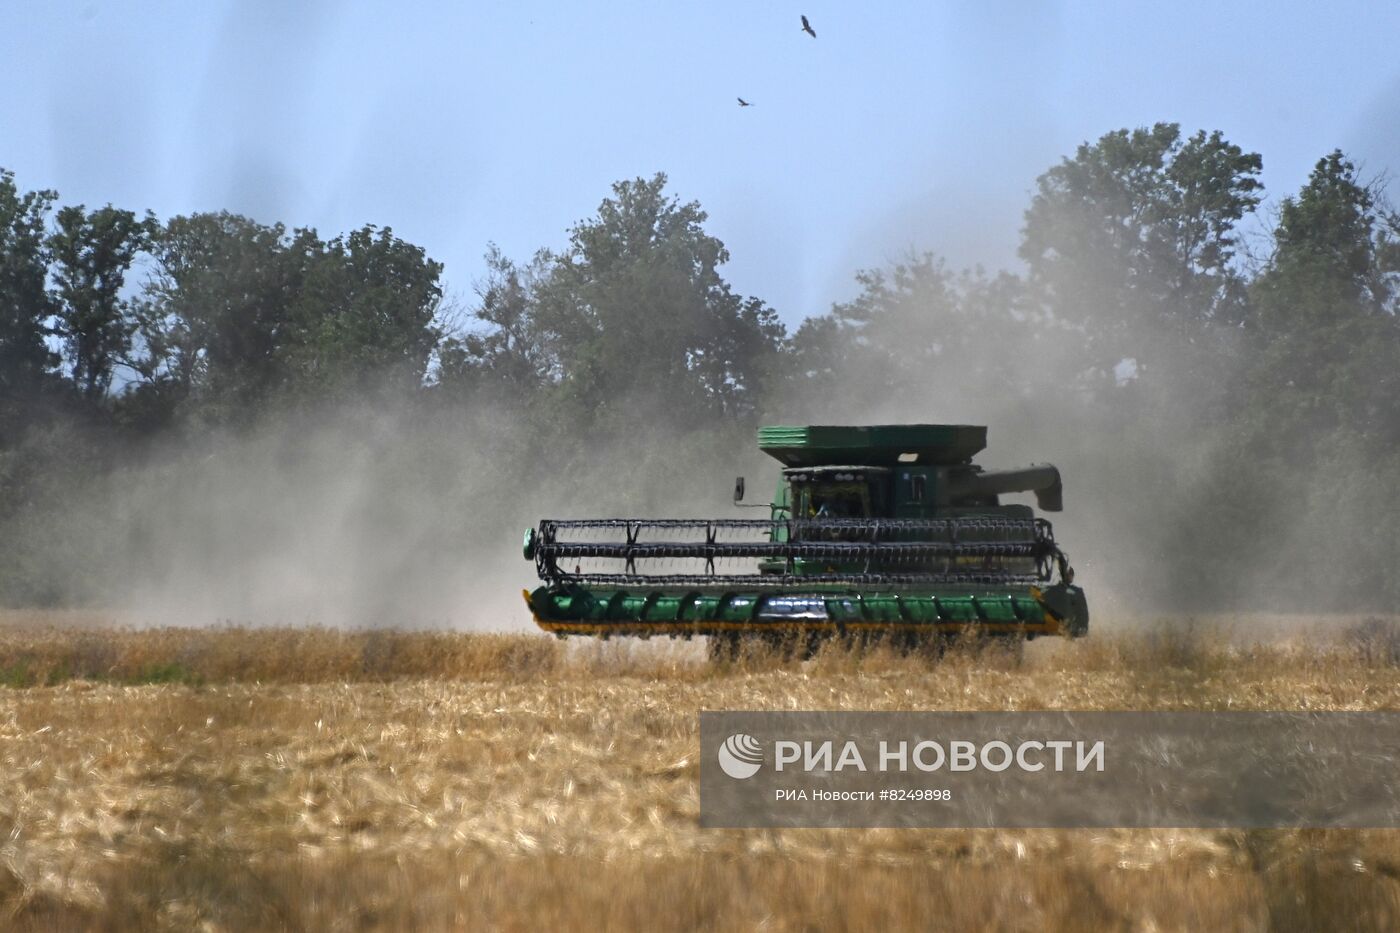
pixel 231 779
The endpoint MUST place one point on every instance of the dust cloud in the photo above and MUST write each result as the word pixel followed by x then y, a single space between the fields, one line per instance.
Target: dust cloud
pixel 373 514
pixel 366 514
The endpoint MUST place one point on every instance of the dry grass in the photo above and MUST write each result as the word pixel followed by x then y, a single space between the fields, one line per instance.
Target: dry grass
pixel 336 780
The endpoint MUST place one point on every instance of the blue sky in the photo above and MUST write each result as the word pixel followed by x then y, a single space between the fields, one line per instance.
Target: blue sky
pixel 902 126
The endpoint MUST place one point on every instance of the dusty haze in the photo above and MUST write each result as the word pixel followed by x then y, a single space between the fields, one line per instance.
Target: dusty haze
pixel 377 515
pixel 361 515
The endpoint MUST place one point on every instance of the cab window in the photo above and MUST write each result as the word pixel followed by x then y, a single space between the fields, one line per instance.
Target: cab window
pixel 832 500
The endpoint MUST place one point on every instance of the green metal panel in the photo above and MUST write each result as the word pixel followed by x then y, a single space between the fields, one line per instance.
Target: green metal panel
pixel 656 606
pixel 997 610
pixel 871 445
pixel 702 607
pixel 923 609
pixel 882 607
pixel 846 609
pixel 957 609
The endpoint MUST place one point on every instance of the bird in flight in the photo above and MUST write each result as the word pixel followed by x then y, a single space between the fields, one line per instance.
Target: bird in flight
pixel 743 103
pixel 807 27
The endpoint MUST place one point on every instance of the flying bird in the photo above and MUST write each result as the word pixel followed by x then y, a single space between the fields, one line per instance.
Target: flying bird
pixel 807 27
pixel 743 103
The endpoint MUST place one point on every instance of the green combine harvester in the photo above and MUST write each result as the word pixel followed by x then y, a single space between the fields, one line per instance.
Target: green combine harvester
pixel 886 530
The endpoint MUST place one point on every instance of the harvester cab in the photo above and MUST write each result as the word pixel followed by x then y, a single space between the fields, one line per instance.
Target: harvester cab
pixel 883 529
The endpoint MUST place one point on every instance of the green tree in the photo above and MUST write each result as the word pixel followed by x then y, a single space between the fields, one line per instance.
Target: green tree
pixel 1325 325
pixel 26 361
pixel 239 315
pixel 1134 238
pixel 214 320
pixel 364 312
pixel 91 253
pixel 918 327
pixel 506 354
pixel 637 311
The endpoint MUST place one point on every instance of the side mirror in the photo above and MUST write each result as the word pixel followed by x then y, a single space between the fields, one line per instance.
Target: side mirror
pixel 738 489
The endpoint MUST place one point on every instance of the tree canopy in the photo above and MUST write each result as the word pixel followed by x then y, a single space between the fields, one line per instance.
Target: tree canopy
pixel 1135 238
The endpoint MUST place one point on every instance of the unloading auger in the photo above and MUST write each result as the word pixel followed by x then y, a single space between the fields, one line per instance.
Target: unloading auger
pixel 887 529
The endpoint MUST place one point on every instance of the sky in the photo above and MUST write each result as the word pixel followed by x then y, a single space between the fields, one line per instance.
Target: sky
pixel 901 127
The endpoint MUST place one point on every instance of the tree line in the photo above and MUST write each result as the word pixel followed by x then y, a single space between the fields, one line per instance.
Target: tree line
pixel 1237 357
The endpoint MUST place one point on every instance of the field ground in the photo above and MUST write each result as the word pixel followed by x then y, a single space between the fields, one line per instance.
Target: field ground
pixel 319 779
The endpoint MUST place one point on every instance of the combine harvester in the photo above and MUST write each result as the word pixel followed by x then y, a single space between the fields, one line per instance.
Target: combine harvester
pixel 886 530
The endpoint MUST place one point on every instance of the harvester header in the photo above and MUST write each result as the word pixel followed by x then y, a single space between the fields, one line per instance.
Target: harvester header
pixel 879 529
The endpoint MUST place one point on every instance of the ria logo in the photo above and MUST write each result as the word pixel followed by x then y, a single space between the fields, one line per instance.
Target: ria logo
pixel 741 756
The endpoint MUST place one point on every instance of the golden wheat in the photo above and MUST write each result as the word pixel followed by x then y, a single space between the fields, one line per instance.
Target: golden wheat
pixel 317 779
